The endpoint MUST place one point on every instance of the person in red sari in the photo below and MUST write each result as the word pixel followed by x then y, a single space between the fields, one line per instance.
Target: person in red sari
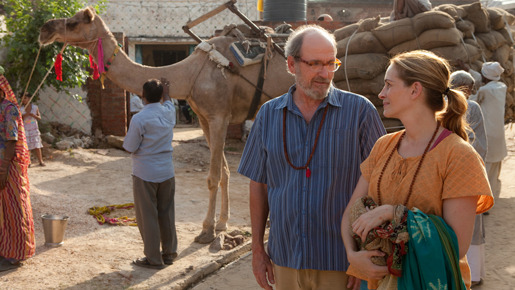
pixel 17 239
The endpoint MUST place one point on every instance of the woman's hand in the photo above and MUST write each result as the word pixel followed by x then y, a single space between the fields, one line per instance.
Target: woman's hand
pixel 372 219
pixel 362 262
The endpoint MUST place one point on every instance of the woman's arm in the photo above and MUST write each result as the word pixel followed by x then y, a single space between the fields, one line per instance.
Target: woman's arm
pixel 459 214
pixel 360 259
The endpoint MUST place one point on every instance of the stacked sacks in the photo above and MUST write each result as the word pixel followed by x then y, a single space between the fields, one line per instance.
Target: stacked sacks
pixel 465 34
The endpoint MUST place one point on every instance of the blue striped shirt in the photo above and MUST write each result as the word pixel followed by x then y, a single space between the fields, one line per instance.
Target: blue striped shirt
pixel 305 213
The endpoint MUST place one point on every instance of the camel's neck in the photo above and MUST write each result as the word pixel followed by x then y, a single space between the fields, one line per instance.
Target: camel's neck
pixel 131 76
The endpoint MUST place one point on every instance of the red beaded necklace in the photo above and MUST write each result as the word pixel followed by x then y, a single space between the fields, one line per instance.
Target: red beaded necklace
pixel 416 171
pixel 308 171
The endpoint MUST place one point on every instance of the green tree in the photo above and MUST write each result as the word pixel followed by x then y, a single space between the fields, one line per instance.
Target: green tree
pixel 23 19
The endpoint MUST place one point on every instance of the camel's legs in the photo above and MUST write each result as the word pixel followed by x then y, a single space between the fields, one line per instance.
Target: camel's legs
pixel 221 225
pixel 215 133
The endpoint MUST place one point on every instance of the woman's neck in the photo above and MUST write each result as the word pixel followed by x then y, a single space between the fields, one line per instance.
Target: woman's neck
pixel 419 131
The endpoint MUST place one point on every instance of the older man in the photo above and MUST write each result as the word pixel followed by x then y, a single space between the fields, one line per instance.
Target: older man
pixel 303 156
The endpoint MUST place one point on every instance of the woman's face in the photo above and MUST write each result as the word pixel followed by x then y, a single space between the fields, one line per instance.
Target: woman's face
pixel 395 94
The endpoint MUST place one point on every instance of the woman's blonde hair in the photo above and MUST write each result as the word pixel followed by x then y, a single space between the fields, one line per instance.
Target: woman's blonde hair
pixel 433 73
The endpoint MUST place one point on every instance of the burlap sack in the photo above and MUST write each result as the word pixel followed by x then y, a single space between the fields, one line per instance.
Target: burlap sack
pixel 397 32
pixel 363 87
pixel 454 11
pixel 502 54
pixel 432 20
pixel 492 40
pixel 376 101
pixel 429 39
pixel 478 15
pixel 466 27
pixel 361 66
pixel 498 17
pixel 510 101
pixel 363 25
pixel 476 65
pixel 509 114
pixel 362 42
pixel 508 68
pixel 465 53
pixel 394 33
pixel 507 34
pixel 477 42
pixel 509 82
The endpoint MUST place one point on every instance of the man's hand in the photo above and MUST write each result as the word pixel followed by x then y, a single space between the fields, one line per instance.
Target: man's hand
pixel 263 269
pixel 166 89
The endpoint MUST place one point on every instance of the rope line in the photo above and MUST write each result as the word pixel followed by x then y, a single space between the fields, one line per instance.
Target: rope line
pixel 100 213
pixel 43 80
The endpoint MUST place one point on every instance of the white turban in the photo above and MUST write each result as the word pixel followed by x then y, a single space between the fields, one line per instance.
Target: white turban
pixel 492 70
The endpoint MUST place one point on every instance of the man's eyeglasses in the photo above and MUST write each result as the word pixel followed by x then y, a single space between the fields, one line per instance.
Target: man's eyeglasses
pixel 317 65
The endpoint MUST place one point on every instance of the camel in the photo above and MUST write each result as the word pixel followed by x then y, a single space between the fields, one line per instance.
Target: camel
pixel 216 95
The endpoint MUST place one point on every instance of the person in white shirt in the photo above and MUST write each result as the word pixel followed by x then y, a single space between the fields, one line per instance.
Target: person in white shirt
pixel 136 104
pixel 492 98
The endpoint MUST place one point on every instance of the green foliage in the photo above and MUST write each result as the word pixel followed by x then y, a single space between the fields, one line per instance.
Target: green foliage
pixel 23 20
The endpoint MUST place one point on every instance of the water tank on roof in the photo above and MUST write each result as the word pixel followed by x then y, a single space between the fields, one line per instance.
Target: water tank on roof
pixel 284 10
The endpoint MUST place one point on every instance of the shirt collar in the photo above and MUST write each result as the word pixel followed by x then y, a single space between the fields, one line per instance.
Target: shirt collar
pixel 331 99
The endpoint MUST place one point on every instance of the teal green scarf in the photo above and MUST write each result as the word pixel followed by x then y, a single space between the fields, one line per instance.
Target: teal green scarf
pixel 432 260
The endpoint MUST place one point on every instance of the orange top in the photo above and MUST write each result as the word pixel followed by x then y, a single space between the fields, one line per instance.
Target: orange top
pixel 451 169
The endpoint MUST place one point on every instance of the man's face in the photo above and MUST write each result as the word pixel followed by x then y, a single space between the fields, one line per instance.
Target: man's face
pixel 314 80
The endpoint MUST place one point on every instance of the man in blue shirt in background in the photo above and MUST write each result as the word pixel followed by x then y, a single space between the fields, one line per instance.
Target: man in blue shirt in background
pixel 303 156
pixel 149 140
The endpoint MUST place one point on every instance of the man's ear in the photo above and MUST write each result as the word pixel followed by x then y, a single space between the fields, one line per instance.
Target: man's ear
pixel 89 14
pixel 291 64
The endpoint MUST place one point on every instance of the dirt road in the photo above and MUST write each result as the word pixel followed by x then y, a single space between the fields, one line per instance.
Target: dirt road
pixel 97 256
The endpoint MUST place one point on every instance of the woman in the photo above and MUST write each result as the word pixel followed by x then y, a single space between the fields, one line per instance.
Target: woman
pixel 429 165
pixel 17 240
pixel 31 116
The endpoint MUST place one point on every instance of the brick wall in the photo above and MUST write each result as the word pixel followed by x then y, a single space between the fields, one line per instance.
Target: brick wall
pixel 109 105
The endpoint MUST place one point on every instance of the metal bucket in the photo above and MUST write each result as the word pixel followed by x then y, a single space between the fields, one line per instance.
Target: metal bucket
pixel 54 227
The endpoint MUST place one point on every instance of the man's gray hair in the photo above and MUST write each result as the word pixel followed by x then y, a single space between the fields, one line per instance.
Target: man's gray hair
pixel 460 79
pixel 296 38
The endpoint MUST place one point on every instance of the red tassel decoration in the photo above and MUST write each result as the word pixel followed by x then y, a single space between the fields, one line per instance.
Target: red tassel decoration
pixel 308 172
pixel 94 66
pixel 59 67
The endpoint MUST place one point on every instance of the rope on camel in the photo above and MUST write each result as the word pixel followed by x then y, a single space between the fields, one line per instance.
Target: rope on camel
pixel 100 212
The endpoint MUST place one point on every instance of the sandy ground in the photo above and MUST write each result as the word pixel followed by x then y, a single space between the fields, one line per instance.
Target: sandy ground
pixel 97 256
pixel 500 247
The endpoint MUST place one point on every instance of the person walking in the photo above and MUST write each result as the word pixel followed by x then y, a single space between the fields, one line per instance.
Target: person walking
pixel 425 181
pixel 492 98
pixel 31 116
pixel 149 140
pixel 17 239
pixel 302 157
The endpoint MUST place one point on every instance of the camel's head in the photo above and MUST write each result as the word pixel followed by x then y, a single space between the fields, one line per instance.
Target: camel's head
pixel 83 27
